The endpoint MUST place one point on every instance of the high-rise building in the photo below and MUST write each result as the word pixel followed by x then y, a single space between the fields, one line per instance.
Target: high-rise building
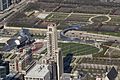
pixel 59 63
pixel 54 53
pixel 4 4
pixel 4 68
pixel 2 72
pixel 52 43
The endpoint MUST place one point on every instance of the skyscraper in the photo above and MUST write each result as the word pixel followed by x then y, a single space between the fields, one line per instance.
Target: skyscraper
pixel 59 63
pixel 4 68
pixel 4 4
pixel 54 53
pixel 52 43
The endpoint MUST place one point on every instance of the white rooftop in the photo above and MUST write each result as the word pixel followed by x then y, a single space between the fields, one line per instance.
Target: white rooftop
pixel 42 15
pixel 38 71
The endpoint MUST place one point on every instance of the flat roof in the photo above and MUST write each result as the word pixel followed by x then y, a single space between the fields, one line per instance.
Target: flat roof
pixel 42 15
pixel 13 56
pixel 38 71
pixel 4 39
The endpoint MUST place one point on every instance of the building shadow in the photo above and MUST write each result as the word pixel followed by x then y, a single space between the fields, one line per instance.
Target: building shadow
pixel 67 61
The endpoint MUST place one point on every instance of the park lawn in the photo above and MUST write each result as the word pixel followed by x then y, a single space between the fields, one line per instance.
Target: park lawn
pixel 57 16
pixel 77 49
pixel 64 25
pixel 115 19
pixel 80 17
pixel 1 45
pixel 100 19
pixel 106 33
pixel 62 16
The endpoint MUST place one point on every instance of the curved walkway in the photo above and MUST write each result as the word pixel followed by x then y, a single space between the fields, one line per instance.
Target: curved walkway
pixel 91 22
pixel 64 37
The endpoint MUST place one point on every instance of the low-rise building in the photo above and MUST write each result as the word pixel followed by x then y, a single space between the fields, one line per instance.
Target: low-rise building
pixel 20 62
pixel 38 72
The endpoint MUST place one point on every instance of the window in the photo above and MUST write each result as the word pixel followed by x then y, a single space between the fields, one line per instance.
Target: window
pixel 26 78
pixel 41 79
pixel 37 78
pixel 50 29
pixel 30 78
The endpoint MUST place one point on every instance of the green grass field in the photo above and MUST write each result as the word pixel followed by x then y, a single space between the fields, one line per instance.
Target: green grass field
pixel 77 49
pixel 1 45
pixel 114 20
pixel 76 19
pixel 100 19
pixel 106 33
pixel 57 16
pixel 62 16
pixel 82 17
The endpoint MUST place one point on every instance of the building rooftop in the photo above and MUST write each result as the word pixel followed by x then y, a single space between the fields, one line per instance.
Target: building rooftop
pixel 21 39
pixel 38 71
pixel 112 74
pixel 66 76
pixel 42 15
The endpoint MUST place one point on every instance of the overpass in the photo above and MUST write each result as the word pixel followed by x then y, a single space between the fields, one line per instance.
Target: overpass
pixel 66 38
pixel 70 34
